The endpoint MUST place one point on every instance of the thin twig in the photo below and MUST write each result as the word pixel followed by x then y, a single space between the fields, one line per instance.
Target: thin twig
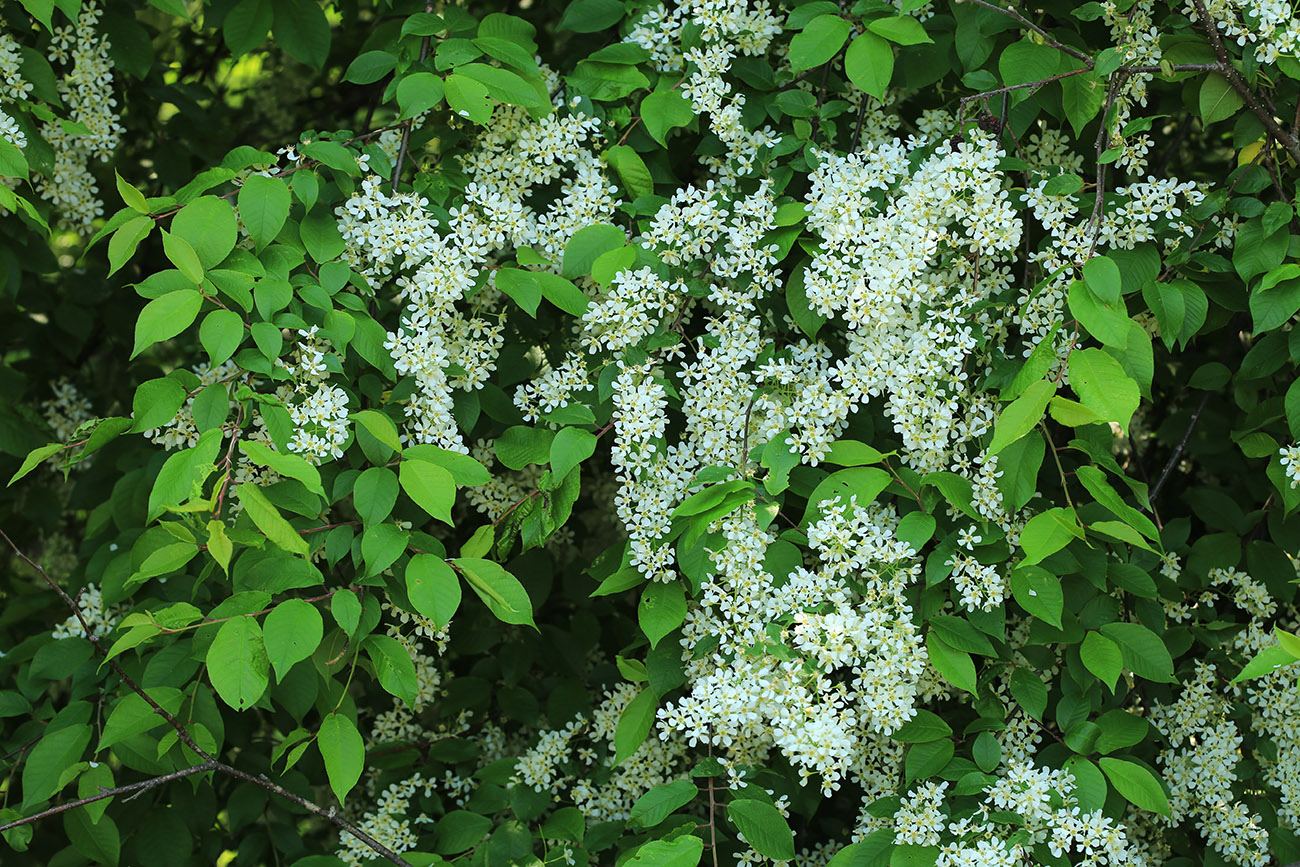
pixel 406 125
pixel 1239 84
pixel 137 788
pixel 1173 459
pixel 1012 13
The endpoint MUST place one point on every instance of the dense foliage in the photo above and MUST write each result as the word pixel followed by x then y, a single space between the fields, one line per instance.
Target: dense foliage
pixel 611 432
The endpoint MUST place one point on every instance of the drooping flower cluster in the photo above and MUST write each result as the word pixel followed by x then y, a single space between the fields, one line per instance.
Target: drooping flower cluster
pixel 87 90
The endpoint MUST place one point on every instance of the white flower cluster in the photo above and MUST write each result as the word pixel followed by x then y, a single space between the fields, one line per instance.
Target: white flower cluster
pixel 1199 766
pixel 87 91
pixel 725 29
pixel 12 87
pixel 1269 27
pixel 1047 809
pixel 848 663
pixel 319 411
pixel 555 762
pixel 99 619
pixel 65 412
pixel 388 822
pixel 890 273
pixel 1290 459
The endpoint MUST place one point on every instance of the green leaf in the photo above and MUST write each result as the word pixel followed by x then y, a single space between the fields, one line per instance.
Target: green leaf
pixel 500 591
pixel 181 472
pixel 155 403
pixel 507 86
pixel 634 725
pixel 661 610
pixel 285 463
pixel 393 667
pixel 302 30
pixel 292 632
pixel 1218 99
pixel 902 29
pixel 419 92
pixel 819 41
pixel 923 728
pixel 1022 415
pixel 521 286
pixel 1025 61
pixel 45 763
pixel 1109 323
pixel 1030 692
pixel 133 715
pixel 220 334
pixel 586 245
pixel 164 317
pixel 344 753
pixel 133 198
pixel 374 494
pixel 379 426
pixel 1267 661
pixel 631 170
pixel 465 471
pixel 869 64
pixel 1273 306
pixel 864 483
pixel 954 665
pixel 590 16
pixel 1101 275
pixel 264 206
pixel 237 662
pixel 663 110
pixel 1102 657
pixel 1144 653
pixel 1038 592
pixel 1138 784
pixel 269 520
pixel 683 851
pixel 468 98
pixel 182 255
pixel 123 243
pixel 660 802
pixel 98 840
pixel 570 447
pixel 1103 386
pixel 208 225
pixel 765 829
pixel 430 487
pixel 1082 97
pixel 369 67
pixel 1048 532
pixel 433 588
pixel 34 459
pixel 522 445
pixel 459 830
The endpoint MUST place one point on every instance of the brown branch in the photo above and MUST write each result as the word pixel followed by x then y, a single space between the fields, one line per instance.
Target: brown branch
pixel 406 124
pixel 1052 41
pixel 141 786
pixel 1239 84
pixel 1182 444
pixel 210 761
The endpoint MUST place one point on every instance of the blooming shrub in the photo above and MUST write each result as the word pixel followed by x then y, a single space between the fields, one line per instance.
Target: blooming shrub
pixel 639 434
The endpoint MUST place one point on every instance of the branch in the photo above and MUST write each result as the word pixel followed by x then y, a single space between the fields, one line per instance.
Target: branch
pixel 1012 13
pixel 1239 84
pixel 406 124
pixel 1182 444
pixel 210 762
pixel 141 786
